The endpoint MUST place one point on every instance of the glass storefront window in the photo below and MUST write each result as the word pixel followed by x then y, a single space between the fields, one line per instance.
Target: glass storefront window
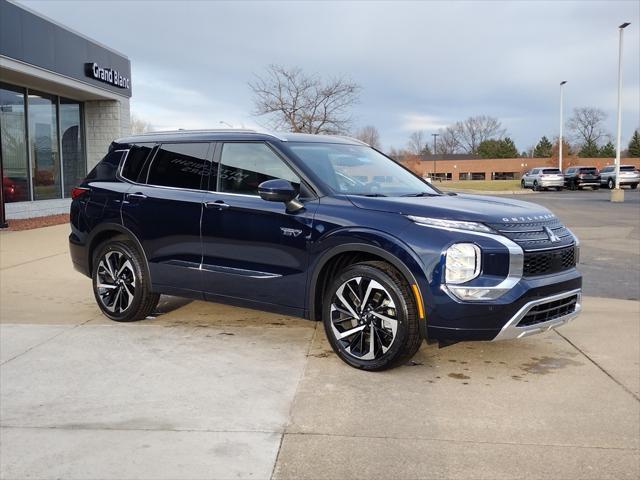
pixel 43 146
pixel 13 139
pixel 72 142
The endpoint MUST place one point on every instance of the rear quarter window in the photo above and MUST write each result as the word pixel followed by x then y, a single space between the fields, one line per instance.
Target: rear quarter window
pixel 107 168
pixel 135 161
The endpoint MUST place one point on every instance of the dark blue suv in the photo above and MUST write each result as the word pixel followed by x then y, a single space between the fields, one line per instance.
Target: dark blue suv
pixel 321 227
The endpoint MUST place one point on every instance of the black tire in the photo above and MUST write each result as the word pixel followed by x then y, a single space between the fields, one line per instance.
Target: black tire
pixel 407 339
pixel 522 185
pixel 596 188
pixel 559 189
pixel 129 292
pixel 633 186
pixel 535 186
pixel 611 184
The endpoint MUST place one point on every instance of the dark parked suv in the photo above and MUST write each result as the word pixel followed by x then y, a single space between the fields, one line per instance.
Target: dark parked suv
pixel 576 178
pixel 321 227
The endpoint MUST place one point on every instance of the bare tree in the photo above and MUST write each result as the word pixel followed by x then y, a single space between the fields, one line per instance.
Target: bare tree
pixel 586 124
pixel 417 144
pixel 298 102
pixel 447 142
pixel 369 135
pixel 471 132
pixel 398 154
pixel 139 126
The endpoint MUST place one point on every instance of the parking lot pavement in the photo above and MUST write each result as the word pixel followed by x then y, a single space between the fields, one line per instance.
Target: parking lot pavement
pixel 211 391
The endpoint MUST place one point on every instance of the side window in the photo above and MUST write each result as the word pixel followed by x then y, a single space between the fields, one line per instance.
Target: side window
pixel 135 161
pixel 244 166
pixel 179 165
pixel 534 171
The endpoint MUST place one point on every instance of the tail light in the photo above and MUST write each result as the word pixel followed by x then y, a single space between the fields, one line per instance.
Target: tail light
pixel 78 192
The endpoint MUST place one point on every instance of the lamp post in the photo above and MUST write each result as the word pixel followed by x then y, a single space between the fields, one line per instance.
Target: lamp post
pixel 617 195
pixel 561 124
pixel 435 136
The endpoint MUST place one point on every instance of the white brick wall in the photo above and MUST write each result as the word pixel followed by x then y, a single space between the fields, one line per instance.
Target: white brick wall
pixel 105 120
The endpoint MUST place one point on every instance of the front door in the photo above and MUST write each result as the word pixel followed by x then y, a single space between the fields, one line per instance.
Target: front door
pixel 164 211
pixel 252 248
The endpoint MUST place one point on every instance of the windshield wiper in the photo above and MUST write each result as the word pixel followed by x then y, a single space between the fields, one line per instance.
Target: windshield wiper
pixel 420 194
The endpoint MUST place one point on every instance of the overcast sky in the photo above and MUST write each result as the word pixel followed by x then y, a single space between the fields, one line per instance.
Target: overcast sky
pixel 422 65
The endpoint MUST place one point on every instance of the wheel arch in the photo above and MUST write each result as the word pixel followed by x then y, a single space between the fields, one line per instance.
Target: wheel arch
pixel 106 231
pixel 338 257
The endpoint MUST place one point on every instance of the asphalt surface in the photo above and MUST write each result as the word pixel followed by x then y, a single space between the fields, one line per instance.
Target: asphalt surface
pixel 609 235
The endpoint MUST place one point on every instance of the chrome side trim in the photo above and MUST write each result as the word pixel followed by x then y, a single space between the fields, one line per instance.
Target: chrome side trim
pixel 238 271
pixel 510 330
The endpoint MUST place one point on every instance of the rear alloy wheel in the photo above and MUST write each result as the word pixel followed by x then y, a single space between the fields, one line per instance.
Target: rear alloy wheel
pixel 611 184
pixel 370 317
pixel 120 284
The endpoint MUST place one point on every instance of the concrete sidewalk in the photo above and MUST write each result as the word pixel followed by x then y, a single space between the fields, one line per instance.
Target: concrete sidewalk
pixel 211 391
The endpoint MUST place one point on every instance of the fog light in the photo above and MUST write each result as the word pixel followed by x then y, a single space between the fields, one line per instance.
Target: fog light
pixel 462 263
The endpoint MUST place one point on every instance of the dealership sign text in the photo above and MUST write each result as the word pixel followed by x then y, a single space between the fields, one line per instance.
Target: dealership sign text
pixel 106 75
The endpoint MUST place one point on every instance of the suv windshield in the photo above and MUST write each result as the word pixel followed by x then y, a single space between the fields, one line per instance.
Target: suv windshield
pixel 551 171
pixel 359 170
pixel 589 170
pixel 627 168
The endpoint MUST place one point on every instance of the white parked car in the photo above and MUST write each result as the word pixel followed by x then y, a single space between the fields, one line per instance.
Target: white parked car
pixel 542 178
pixel 629 175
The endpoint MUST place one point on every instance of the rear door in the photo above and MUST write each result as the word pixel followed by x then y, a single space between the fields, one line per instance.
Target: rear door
pixel 253 249
pixel 164 210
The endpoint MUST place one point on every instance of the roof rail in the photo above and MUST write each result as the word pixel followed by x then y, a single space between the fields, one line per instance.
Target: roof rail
pixel 206 130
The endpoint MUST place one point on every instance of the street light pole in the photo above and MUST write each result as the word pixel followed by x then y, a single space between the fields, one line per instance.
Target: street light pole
pixel 617 195
pixel 435 136
pixel 561 124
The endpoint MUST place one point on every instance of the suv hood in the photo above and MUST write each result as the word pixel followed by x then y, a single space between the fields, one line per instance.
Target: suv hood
pixel 472 208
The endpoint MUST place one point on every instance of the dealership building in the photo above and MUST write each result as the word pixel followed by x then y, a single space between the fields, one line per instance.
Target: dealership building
pixel 63 99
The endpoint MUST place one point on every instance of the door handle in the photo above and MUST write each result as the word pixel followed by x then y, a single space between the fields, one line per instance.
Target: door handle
pixel 139 195
pixel 219 204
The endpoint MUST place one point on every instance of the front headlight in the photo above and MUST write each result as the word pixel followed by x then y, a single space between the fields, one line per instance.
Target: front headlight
pixel 462 263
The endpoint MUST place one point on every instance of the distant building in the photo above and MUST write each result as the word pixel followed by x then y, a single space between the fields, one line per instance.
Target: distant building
pixel 471 167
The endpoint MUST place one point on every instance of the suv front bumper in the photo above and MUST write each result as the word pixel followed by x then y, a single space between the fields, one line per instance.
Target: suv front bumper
pixel 550 312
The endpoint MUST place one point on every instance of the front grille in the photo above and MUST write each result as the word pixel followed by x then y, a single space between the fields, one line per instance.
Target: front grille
pixel 549 261
pixel 549 311
pixel 533 235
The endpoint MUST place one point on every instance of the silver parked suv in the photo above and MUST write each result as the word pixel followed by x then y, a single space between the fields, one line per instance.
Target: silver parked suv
pixel 629 175
pixel 543 178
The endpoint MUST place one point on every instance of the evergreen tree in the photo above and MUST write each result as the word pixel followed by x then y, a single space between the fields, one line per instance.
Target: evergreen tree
pixel 589 149
pixel 634 145
pixel 504 148
pixel 508 148
pixel 543 148
pixel 608 151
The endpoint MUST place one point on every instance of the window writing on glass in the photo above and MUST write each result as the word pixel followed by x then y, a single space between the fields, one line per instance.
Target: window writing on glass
pixel 244 166
pixel 180 165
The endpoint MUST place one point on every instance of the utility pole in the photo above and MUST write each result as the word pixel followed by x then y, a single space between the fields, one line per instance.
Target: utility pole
pixel 561 124
pixel 435 136
pixel 617 195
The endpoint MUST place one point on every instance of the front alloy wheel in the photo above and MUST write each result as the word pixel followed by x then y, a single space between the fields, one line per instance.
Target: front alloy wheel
pixel 370 317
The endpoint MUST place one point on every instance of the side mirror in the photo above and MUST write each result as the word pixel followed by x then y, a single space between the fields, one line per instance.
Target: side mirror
pixel 279 190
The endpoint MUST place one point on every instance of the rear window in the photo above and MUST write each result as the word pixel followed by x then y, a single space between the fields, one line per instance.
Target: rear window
pixel 627 168
pixel 588 170
pixel 135 161
pixel 179 165
pixel 551 171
